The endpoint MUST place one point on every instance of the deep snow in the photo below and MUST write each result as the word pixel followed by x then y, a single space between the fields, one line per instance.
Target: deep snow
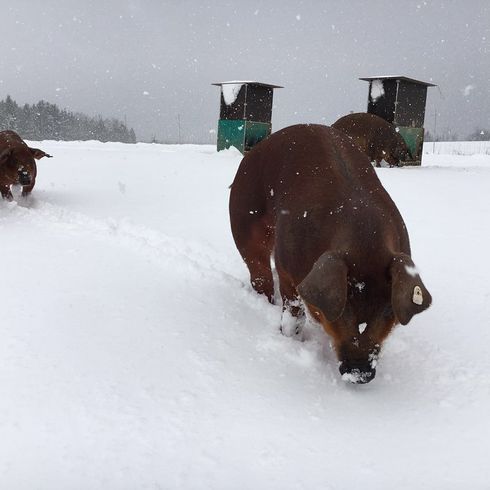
pixel 135 355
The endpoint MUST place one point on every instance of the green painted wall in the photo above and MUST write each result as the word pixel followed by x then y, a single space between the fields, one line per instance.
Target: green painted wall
pixel 414 138
pixel 241 134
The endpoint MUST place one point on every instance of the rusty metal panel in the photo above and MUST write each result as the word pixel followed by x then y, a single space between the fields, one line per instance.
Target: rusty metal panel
pixel 410 105
pixel 258 104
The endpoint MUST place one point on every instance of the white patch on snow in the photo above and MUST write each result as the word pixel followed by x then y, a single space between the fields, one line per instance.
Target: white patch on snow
pixel 230 92
pixel 377 90
pixel 362 327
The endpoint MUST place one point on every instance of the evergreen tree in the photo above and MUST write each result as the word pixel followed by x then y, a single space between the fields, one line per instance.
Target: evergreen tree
pixel 47 121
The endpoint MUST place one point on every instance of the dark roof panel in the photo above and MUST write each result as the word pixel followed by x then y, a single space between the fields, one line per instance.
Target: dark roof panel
pixel 246 82
pixel 395 77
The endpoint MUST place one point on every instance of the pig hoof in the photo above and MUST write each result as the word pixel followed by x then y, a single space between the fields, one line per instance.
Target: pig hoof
pixel 292 326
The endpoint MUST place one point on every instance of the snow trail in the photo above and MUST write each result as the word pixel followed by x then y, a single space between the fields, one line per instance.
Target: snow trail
pixel 135 354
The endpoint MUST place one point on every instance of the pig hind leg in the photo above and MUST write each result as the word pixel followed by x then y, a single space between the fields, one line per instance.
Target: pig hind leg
pixel 254 240
pixel 27 189
pixel 6 193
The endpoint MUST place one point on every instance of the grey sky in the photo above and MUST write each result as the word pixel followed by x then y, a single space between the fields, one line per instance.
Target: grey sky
pixel 152 60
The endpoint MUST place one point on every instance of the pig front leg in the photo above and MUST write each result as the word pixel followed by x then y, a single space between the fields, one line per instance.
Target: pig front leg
pixel 293 317
pixel 27 189
pixel 6 193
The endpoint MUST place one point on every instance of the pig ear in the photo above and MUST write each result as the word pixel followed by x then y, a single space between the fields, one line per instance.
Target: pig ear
pixel 38 154
pixel 5 155
pixel 409 296
pixel 325 287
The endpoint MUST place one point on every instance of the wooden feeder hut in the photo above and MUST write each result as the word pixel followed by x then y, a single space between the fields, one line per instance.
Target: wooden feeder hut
pixel 401 101
pixel 245 114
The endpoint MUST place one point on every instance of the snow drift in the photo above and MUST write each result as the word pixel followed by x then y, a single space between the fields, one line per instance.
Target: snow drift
pixel 135 354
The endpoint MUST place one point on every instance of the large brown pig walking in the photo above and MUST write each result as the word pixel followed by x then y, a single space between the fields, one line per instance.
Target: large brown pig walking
pixel 310 198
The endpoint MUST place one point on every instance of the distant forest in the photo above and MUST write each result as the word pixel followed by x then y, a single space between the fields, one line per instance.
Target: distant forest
pixel 46 121
pixel 449 135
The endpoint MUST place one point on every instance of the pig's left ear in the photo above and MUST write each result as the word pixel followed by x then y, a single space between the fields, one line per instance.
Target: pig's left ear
pixel 409 296
pixel 325 287
pixel 38 154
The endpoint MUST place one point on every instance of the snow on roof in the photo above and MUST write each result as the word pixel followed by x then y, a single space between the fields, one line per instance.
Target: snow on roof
pixel 230 92
pixel 397 77
pixel 247 82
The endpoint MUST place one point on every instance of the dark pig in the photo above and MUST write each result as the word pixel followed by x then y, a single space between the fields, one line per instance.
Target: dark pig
pixel 311 199
pixel 377 138
pixel 17 164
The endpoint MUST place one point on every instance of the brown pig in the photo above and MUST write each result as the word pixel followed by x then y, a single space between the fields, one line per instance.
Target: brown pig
pixel 309 198
pixel 377 138
pixel 17 164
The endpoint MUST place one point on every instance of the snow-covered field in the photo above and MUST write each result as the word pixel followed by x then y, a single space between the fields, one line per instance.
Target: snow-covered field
pixel 134 354
pixel 457 147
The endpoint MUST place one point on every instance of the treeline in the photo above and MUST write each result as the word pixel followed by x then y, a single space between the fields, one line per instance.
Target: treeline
pixel 46 121
pixel 449 135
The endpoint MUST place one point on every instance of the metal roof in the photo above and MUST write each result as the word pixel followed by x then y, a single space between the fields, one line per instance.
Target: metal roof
pixel 247 82
pixel 395 77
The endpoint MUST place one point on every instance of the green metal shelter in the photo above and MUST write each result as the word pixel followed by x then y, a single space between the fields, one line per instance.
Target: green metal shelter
pixel 245 114
pixel 401 101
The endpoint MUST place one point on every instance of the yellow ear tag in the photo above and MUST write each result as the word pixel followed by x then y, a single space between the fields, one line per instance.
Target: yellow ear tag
pixel 417 297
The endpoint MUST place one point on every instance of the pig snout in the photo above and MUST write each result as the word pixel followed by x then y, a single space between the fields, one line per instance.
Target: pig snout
pixel 24 177
pixel 357 372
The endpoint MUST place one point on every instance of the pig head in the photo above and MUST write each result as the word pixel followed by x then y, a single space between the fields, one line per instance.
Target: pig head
pixel 358 311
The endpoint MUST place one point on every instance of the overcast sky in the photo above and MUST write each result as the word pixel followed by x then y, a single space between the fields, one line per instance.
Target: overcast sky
pixel 151 61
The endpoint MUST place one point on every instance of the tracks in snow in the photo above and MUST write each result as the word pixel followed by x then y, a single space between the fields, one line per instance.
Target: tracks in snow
pixel 155 246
